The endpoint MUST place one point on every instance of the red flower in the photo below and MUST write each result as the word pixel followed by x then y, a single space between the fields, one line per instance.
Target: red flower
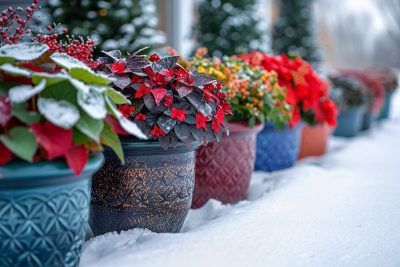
pixel 126 110
pixel 218 86
pixel 219 117
pixel 157 131
pixel 226 107
pixel 221 95
pixel 154 57
pixel 118 67
pixel 208 87
pixel 136 79
pixel 179 114
pixel 143 90
pixel 140 117
pixel 201 121
pixel 168 101
pixel 215 126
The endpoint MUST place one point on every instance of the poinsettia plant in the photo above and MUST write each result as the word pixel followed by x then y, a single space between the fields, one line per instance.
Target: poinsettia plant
pixel 308 94
pixel 253 92
pixel 168 102
pixel 53 106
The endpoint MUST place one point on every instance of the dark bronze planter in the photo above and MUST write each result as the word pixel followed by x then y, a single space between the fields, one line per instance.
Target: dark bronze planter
pixel 152 190
pixel 224 169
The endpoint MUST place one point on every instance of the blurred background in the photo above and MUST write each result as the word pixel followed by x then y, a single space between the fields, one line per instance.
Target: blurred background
pixel 335 33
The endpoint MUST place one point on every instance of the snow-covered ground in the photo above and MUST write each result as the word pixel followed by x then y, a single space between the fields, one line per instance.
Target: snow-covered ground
pixel 339 210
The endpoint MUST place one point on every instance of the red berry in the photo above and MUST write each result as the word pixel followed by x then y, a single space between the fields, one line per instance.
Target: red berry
pixel 36 1
pixel 19 31
pixel 49 28
pixel 4 14
pixel 65 31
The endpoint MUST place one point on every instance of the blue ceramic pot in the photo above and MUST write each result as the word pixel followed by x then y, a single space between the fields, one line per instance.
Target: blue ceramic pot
pixel 350 122
pixel 277 149
pixel 386 107
pixel 44 211
pixel 368 119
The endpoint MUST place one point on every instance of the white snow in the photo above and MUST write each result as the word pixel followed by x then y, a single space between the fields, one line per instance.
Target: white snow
pixel 339 210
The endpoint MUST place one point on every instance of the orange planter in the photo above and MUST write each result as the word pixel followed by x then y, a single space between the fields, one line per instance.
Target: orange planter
pixel 314 140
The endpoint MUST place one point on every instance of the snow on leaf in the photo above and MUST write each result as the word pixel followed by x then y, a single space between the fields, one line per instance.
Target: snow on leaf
pixel 114 54
pixel 61 113
pixel 5 110
pixel 122 81
pixel 159 94
pixel 23 51
pixel 136 64
pixel 21 142
pixel 22 93
pixel 197 100
pixel 67 62
pixel 149 101
pixel 166 123
pixel 37 77
pixel 93 103
pixel 184 90
pixel 165 63
pixel 131 128
pixel 14 70
pixel 202 79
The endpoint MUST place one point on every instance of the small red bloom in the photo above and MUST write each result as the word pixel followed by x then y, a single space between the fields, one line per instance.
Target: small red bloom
pixel 201 121
pixel 208 87
pixel 118 67
pixel 215 126
pixel 136 79
pixel 221 95
pixel 226 107
pixel 219 117
pixel 143 90
pixel 126 110
pixel 168 101
pixel 154 57
pixel 208 96
pixel 218 86
pixel 179 114
pixel 140 117
pixel 157 131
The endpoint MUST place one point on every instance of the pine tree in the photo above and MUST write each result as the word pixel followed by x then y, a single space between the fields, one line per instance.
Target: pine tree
pixel 294 31
pixel 228 27
pixel 127 25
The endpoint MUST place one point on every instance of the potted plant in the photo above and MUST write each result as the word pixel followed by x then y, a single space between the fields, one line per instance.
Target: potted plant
pixel 308 96
pixel 351 97
pixel 224 169
pixel 178 110
pixel 375 86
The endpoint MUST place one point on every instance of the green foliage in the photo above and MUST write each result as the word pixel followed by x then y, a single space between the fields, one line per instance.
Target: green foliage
pixel 294 31
pixel 228 27
pixel 126 25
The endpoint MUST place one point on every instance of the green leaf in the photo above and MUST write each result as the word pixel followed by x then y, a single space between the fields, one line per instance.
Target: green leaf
pixel 23 51
pixel 21 142
pixel 22 93
pixel 109 138
pixel 14 70
pixel 29 117
pixel 116 97
pixel 79 138
pixel 88 76
pixel 61 113
pixel 50 79
pixel 90 127
pixel 92 102
pixel 61 91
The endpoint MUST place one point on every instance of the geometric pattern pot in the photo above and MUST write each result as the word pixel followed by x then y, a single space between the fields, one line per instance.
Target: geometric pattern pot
pixel 314 140
pixel 224 169
pixel 277 149
pixel 349 122
pixel 44 211
pixel 152 190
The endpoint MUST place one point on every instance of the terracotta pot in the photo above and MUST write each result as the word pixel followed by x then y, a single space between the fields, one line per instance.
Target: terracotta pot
pixel 152 190
pixel 224 169
pixel 314 140
pixel 277 149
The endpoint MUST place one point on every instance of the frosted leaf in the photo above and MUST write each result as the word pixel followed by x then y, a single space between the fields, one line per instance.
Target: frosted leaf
pixel 50 79
pixel 22 93
pixel 61 113
pixel 166 124
pixel 23 51
pixel 67 62
pixel 93 103
pixel 15 71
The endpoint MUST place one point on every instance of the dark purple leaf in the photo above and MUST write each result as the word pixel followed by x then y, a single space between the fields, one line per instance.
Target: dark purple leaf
pixel 209 133
pixel 138 104
pixel 191 119
pixel 174 141
pixel 197 100
pixel 165 141
pixel 5 110
pixel 149 101
pixel 166 124
pixel 165 63
pixel 122 81
pixel 201 79
pixel 182 131
pixel 136 64
pixel 114 54
pixel 151 119
pixel 198 134
pixel 184 90
pixel 106 60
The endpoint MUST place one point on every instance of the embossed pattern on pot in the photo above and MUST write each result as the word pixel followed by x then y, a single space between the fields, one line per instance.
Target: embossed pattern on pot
pixel 148 191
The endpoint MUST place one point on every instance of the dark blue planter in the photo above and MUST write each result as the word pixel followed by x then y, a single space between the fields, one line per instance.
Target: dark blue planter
pixel 44 211
pixel 386 107
pixel 368 119
pixel 277 149
pixel 350 122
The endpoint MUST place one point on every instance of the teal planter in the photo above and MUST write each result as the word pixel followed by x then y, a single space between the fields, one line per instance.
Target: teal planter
pixel 350 122
pixel 368 119
pixel 44 210
pixel 386 107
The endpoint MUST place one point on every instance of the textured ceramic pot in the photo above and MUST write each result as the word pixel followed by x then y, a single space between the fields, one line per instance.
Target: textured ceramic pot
pixel 224 169
pixel 152 190
pixel 277 149
pixel 44 210
pixel 386 106
pixel 314 140
pixel 349 122
pixel 368 119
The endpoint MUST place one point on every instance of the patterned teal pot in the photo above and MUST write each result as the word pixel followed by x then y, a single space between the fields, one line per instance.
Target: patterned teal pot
pixel 44 211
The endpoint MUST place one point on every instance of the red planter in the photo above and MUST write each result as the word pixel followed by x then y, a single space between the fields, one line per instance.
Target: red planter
pixel 314 140
pixel 224 169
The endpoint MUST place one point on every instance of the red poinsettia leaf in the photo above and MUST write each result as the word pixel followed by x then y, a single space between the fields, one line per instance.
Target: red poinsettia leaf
pixel 115 125
pixel 5 155
pixel 5 110
pixel 77 157
pixel 54 140
pixel 159 94
pixel 118 67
